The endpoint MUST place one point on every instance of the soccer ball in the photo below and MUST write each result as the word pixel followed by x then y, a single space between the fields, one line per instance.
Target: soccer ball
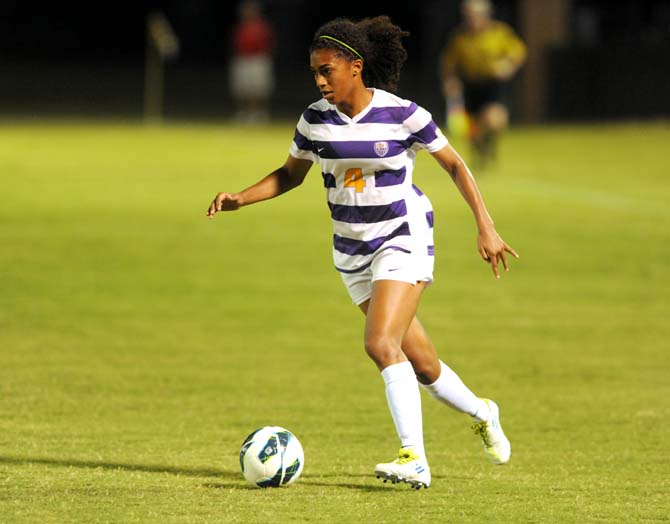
pixel 271 457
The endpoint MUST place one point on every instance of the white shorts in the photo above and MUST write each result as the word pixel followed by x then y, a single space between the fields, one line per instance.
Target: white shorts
pixel 390 264
pixel 251 76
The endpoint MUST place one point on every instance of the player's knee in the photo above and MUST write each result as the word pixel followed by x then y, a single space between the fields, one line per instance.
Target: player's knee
pixel 382 349
pixel 496 117
pixel 426 371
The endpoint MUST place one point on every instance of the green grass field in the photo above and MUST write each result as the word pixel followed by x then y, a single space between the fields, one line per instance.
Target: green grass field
pixel 140 343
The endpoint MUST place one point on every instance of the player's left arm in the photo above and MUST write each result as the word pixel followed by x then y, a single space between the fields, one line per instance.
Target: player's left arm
pixel 490 245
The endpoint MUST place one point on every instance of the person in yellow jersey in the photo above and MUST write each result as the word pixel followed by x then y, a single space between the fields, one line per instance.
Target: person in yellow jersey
pixel 477 63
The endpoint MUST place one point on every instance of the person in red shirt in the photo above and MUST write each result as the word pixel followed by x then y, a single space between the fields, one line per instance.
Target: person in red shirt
pixel 251 71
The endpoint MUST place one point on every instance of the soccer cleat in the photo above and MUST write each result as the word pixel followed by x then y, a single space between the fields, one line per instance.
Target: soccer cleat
pixel 408 467
pixel 496 445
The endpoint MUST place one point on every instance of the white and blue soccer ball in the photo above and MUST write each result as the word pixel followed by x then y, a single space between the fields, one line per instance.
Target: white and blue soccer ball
pixel 271 457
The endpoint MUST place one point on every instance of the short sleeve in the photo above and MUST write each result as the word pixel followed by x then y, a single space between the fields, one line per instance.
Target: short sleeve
pixel 302 146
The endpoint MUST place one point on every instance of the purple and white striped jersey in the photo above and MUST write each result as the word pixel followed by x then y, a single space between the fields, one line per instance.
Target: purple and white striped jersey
pixel 367 163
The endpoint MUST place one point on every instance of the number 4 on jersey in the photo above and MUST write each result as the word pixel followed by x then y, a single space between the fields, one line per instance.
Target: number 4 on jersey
pixel 354 178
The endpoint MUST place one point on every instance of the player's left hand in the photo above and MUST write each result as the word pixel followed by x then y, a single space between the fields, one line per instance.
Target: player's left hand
pixel 504 69
pixel 492 249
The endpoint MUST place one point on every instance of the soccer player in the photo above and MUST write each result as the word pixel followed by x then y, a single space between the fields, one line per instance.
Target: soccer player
pixel 366 139
pixel 476 65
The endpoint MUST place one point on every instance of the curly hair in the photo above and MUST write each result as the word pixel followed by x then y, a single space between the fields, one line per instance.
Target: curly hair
pixel 376 40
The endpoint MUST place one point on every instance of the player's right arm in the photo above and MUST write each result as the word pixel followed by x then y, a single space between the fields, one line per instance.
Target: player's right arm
pixel 513 53
pixel 287 177
pixel 449 63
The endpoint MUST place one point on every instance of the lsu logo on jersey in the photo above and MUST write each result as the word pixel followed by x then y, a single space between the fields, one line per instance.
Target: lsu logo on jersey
pixel 381 148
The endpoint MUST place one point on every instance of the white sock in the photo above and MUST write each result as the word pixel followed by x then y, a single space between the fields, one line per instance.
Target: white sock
pixel 404 400
pixel 450 390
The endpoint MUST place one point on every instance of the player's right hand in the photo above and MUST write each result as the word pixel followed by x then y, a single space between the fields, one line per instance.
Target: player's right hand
pixel 224 202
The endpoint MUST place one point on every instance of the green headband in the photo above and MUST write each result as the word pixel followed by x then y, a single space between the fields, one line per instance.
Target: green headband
pixel 343 45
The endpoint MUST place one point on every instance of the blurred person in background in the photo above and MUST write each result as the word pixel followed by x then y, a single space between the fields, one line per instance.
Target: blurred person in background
pixel 251 71
pixel 476 65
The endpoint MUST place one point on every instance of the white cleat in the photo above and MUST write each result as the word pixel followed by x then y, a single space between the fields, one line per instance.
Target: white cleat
pixel 496 445
pixel 408 467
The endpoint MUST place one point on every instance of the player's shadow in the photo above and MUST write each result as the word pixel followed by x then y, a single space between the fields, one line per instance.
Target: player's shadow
pixel 306 481
pixel 325 482
pixel 146 468
pixel 376 485
pixel 232 480
pixel 348 485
